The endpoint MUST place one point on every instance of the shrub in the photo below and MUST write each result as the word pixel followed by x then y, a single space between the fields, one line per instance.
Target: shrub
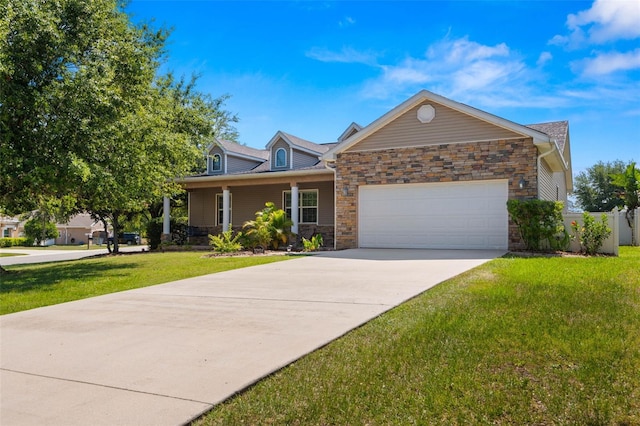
pixel 270 228
pixel 15 242
pixel 313 244
pixel 591 234
pixel 226 242
pixel 179 232
pixel 540 223
pixel 40 230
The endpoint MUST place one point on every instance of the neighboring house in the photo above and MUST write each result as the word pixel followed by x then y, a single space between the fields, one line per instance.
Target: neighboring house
pixel 9 227
pixel 78 229
pixel 430 173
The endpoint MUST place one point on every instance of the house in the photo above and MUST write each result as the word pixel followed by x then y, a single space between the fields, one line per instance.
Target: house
pixel 9 226
pixel 430 173
pixel 78 229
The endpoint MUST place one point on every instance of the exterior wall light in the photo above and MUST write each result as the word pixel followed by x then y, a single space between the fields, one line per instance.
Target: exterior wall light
pixel 522 183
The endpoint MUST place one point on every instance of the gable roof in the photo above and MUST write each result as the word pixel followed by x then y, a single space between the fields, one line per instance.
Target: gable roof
pixel 350 131
pixel 558 130
pixel 238 150
pixel 299 143
pixel 80 220
pixel 422 96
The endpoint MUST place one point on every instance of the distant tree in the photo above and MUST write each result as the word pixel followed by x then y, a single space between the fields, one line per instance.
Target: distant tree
pixel 628 183
pixel 40 229
pixel 594 189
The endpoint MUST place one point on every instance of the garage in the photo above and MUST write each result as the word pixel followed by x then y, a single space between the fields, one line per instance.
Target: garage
pixel 451 215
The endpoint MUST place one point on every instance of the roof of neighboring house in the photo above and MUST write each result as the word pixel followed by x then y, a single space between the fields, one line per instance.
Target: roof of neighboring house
pixel 81 220
pixel 557 130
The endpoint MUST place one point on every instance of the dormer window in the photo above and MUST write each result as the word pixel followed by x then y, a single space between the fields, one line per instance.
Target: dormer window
pixel 216 163
pixel 281 157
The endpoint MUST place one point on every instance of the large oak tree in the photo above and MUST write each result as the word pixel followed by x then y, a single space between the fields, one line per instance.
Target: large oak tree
pixel 84 112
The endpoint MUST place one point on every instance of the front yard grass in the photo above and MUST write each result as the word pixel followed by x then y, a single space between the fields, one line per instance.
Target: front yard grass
pixel 32 286
pixel 515 341
pixel 10 254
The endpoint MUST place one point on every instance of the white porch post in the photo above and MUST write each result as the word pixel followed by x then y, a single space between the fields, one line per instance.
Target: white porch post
pixel 225 209
pixel 294 209
pixel 166 219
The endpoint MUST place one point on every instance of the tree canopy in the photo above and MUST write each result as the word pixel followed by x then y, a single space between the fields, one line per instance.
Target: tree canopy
pixel 85 112
pixel 595 190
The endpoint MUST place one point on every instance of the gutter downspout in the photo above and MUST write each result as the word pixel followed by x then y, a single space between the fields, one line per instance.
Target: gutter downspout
pixel 335 201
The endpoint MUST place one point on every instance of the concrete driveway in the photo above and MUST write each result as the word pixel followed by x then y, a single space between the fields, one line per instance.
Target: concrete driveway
pixel 163 355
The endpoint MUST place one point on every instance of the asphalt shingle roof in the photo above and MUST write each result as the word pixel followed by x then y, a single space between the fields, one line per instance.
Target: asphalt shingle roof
pixel 557 130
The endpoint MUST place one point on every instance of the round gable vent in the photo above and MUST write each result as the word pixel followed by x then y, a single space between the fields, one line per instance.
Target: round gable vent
pixel 426 113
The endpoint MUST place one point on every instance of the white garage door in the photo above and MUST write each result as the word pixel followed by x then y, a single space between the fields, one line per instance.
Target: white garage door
pixel 456 215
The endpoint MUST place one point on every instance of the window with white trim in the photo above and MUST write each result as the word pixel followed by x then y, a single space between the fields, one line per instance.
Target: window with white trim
pixel 307 205
pixel 281 157
pixel 216 163
pixel 220 210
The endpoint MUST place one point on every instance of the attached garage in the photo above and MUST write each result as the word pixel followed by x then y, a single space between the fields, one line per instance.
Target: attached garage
pixel 451 215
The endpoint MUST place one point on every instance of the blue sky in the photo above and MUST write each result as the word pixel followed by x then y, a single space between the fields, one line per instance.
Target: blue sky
pixel 312 67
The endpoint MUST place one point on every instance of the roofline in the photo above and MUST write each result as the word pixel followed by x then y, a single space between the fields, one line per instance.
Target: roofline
pixel 351 127
pixel 425 95
pixel 288 140
pixel 256 176
pixel 234 153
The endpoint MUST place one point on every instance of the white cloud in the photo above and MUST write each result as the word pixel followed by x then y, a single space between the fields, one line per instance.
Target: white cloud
pixel 347 22
pixel 607 63
pixel 605 21
pixel 346 55
pixel 461 69
pixel 544 58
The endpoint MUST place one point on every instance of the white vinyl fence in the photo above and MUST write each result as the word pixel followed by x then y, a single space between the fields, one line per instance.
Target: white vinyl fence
pixel 611 244
pixel 626 238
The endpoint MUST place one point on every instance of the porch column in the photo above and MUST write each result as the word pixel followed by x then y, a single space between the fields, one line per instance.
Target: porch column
pixel 166 219
pixel 294 209
pixel 225 209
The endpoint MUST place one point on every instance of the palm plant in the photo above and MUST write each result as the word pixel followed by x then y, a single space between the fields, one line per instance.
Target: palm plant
pixel 271 227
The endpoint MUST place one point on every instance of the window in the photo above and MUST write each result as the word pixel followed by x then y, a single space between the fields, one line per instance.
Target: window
pixel 281 157
pixel 307 205
pixel 219 210
pixel 216 163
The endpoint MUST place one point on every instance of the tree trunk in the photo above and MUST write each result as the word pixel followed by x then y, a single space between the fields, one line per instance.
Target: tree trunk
pixel 115 224
pixel 106 233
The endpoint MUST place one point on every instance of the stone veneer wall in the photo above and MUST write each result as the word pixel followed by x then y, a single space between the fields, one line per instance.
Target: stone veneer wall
pixel 499 159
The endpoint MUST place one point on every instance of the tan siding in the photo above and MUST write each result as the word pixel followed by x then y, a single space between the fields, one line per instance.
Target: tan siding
pixel 236 164
pixel 326 201
pixel 302 159
pixel 280 144
pixel 547 188
pixel 216 150
pixel 247 200
pixel 202 207
pixel 561 185
pixel 448 126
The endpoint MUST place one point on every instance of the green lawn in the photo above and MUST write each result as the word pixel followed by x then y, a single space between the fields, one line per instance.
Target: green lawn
pixel 10 254
pixel 515 341
pixel 32 286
